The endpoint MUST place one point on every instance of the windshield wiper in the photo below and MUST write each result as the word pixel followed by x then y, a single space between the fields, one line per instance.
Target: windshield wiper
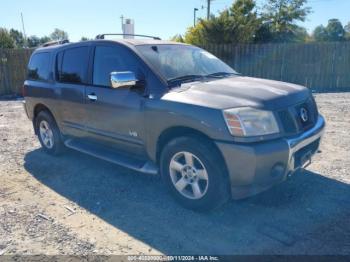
pixel 221 74
pixel 186 78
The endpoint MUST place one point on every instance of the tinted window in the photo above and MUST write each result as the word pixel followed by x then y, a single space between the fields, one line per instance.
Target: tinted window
pixel 74 65
pixel 39 67
pixel 112 58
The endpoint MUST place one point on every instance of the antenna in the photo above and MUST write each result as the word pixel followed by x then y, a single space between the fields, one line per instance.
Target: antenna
pixel 122 20
pixel 24 31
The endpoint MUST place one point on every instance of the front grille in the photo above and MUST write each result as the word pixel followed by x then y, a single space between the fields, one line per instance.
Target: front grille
pixel 287 121
pixel 292 121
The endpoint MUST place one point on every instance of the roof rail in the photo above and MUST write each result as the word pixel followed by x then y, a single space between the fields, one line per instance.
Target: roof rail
pixel 60 42
pixel 102 36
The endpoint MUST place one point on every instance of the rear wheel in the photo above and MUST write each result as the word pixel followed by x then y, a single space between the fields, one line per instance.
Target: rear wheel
pixel 48 133
pixel 194 173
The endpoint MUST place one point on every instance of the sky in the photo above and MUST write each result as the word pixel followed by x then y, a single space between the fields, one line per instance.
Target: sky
pixel 163 18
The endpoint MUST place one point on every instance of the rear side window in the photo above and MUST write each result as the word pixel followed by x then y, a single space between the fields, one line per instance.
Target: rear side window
pixel 73 65
pixel 110 59
pixel 39 67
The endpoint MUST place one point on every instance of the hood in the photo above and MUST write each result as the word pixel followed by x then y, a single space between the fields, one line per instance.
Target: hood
pixel 239 91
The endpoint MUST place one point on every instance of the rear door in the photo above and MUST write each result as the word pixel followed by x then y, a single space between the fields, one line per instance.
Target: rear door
pixel 39 83
pixel 72 68
pixel 115 116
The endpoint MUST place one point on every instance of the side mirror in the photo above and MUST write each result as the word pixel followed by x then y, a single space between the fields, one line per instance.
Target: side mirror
pixel 123 79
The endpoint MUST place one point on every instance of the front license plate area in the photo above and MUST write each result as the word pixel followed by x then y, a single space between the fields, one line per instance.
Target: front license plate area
pixel 305 160
pixel 302 158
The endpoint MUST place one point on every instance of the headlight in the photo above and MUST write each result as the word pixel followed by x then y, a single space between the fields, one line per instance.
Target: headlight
pixel 246 121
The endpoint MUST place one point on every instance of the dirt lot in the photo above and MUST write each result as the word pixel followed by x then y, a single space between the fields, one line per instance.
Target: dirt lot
pixel 75 204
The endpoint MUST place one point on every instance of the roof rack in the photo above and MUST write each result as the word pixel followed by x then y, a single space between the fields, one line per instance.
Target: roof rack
pixel 102 36
pixel 60 42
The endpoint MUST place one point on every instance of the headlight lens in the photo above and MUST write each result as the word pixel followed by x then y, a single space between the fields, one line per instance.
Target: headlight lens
pixel 246 121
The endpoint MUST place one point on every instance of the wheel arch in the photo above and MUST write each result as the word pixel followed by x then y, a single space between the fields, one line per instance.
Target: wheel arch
pixel 37 109
pixel 180 131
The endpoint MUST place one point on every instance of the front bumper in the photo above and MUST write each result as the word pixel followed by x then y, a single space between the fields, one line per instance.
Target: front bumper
pixel 258 166
pixel 24 104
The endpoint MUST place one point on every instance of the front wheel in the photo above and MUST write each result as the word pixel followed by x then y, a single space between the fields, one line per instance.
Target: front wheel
pixel 194 173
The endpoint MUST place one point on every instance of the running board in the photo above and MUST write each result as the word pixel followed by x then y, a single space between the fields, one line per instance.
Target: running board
pixel 112 156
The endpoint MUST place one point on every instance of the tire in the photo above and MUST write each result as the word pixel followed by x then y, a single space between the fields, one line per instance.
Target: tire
pixel 47 130
pixel 207 171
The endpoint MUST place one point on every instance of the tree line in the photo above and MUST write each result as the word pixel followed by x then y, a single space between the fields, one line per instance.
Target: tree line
pixel 15 39
pixel 276 21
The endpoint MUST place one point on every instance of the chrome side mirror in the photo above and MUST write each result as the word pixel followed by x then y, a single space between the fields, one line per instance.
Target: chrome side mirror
pixel 123 79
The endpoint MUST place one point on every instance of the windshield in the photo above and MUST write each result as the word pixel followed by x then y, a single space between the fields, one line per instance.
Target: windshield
pixel 182 62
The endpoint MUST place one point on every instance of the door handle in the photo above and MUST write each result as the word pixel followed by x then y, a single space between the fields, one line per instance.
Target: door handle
pixel 92 97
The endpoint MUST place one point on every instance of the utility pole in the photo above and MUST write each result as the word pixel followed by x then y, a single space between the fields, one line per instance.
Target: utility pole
pixel 24 31
pixel 208 9
pixel 194 16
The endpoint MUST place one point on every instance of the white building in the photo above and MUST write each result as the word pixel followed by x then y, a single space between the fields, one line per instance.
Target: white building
pixel 128 28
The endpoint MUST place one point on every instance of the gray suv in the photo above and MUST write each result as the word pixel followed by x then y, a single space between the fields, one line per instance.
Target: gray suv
pixel 162 107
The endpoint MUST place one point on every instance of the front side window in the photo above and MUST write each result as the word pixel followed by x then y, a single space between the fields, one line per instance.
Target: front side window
pixel 73 65
pixel 112 59
pixel 39 67
pixel 174 61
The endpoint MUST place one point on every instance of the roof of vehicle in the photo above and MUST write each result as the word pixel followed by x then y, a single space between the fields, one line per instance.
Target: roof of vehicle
pixel 127 42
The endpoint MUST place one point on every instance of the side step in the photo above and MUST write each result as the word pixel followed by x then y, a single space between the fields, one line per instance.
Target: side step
pixel 113 156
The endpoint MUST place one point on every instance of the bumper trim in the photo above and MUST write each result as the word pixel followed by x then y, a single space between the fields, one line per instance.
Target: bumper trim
pixel 307 137
pixel 24 104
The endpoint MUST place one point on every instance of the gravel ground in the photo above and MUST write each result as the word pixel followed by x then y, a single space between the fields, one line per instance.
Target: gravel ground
pixel 75 204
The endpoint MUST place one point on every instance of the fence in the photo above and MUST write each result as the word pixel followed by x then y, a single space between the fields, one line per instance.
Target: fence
pixel 13 64
pixel 319 66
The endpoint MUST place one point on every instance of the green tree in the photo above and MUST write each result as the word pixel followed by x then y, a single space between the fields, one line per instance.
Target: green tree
pixel 238 24
pixel 264 34
pixel 347 31
pixel 6 41
pixel 18 38
pixel 244 20
pixel 177 38
pixel 335 30
pixel 195 35
pixel 320 34
pixel 300 35
pixel 33 41
pixel 58 35
pixel 280 18
pixel 44 39
pixel 217 29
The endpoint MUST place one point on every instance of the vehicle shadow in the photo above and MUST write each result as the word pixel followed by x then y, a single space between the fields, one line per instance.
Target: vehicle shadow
pixel 308 214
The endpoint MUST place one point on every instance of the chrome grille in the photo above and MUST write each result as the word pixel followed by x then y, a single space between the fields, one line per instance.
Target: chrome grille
pixel 292 121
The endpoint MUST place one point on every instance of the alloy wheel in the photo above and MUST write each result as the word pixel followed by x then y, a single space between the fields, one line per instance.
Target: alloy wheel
pixel 46 134
pixel 189 175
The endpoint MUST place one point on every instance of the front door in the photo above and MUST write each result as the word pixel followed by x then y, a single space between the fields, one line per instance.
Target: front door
pixel 115 116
